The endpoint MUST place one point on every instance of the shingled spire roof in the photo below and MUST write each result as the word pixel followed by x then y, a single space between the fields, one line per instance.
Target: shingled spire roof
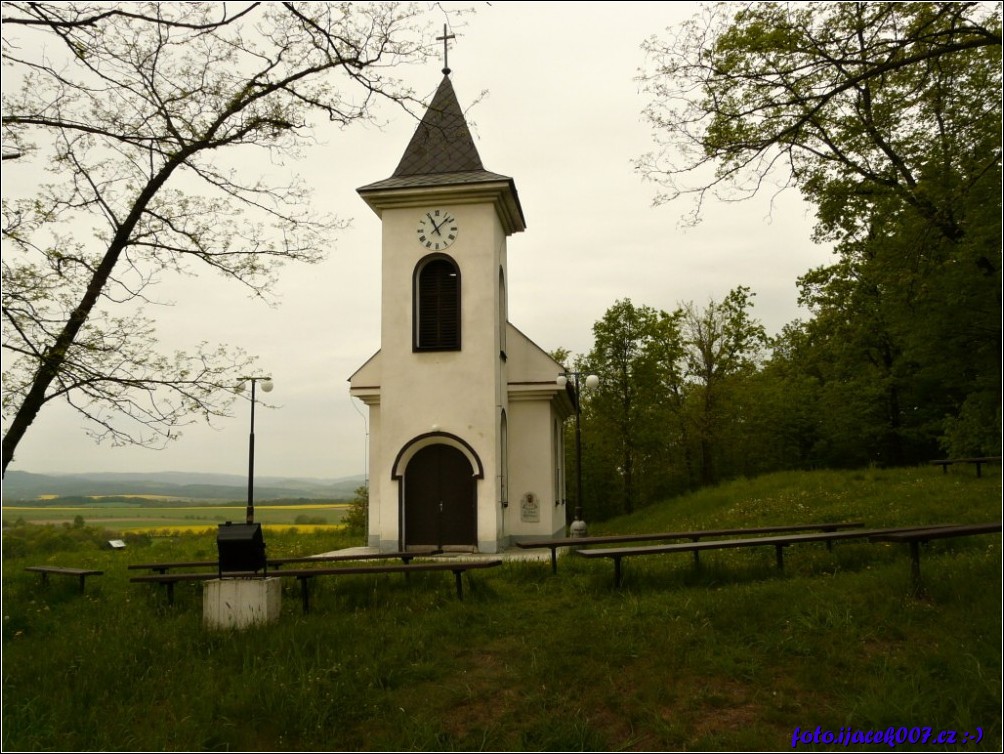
pixel 442 142
pixel 442 154
pixel 442 159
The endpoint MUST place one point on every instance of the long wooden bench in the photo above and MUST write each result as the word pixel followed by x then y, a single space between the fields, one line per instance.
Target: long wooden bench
pixel 457 567
pixel 168 580
pixel 80 573
pixel 918 537
pixel 165 567
pixel 405 557
pixel 617 554
pixel 305 574
pixel 694 536
pixel 944 463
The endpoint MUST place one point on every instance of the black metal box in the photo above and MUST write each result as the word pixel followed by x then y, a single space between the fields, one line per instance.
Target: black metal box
pixel 241 548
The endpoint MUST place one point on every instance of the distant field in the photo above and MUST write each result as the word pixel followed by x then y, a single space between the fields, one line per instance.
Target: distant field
pixel 126 517
pixel 164 498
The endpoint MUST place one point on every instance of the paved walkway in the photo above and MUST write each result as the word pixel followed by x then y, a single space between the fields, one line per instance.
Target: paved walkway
pixel 542 554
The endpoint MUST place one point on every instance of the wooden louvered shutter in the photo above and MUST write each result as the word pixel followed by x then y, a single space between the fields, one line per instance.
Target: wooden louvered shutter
pixel 438 303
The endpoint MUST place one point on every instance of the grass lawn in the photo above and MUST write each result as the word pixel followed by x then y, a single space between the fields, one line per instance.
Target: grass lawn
pixel 735 656
pixel 134 516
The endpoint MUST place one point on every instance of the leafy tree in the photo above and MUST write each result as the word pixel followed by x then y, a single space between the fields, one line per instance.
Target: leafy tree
pixel 839 97
pixel 560 354
pixel 723 344
pixel 784 399
pixel 617 405
pixel 164 127
pixel 886 116
pixel 666 448
pixel 670 402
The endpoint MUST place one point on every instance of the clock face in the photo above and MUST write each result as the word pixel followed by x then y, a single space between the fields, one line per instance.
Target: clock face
pixel 437 229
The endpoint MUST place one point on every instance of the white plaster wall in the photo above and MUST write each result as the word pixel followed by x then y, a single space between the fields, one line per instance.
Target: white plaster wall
pixel 531 464
pixel 456 392
pixel 461 393
pixel 382 525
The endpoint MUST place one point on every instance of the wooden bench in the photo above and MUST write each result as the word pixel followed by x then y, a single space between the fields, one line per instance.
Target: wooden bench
pixel 694 536
pixel 305 574
pixel 405 557
pixel 916 538
pixel 457 567
pixel 617 554
pixel 170 579
pixel 165 567
pixel 81 573
pixel 946 462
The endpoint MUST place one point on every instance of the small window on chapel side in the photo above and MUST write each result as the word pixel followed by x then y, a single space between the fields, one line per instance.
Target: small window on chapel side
pixel 437 305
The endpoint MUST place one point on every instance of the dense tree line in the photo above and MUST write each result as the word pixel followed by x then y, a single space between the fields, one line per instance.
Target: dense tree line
pixel 886 117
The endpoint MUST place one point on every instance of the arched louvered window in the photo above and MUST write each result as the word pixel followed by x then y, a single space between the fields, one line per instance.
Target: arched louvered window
pixel 503 314
pixel 504 462
pixel 437 305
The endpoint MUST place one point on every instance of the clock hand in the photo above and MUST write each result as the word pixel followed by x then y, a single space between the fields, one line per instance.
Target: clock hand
pixel 435 228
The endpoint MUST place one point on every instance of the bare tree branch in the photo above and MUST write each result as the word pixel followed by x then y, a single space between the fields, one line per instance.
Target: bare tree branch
pixel 134 110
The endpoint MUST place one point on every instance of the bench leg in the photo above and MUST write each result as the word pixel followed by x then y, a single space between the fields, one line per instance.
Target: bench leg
pixel 617 573
pixel 459 575
pixel 915 567
pixel 829 542
pixel 780 557
pixel 305 593
pixel 170 592
pixel 82 578
pixel 406 560
pixel 554 560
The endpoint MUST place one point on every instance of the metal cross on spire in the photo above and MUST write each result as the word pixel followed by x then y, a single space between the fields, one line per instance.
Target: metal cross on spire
pixel 445 39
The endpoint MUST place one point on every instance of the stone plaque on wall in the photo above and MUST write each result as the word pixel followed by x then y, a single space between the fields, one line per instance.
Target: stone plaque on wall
pixel 529 508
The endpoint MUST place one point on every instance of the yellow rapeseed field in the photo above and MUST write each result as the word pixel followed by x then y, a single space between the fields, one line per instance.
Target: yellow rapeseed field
pixel 199 528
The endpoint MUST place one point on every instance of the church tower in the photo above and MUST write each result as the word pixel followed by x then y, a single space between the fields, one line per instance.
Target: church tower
pixel 462 405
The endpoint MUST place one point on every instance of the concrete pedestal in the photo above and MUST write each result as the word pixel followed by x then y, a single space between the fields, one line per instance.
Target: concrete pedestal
pixel 239 603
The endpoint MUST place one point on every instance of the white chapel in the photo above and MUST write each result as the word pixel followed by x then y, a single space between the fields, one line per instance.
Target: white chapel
pixel 465 416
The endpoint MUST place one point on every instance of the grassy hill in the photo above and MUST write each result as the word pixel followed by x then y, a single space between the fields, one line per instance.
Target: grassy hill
pixel 732 657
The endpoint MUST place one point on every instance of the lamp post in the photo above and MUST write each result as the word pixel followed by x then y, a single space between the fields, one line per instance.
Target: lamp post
pixel 578 527
pixel 266 386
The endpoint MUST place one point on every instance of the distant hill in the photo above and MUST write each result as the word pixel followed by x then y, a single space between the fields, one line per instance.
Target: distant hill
pixel 23 485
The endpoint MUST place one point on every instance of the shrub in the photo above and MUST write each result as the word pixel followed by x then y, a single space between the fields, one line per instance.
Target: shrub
pixel 357 519
pixel 304 519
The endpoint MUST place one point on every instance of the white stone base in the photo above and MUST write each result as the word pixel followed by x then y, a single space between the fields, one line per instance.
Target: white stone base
pixel 239 603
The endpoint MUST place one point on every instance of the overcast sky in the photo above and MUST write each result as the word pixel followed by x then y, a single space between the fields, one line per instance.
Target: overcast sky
pixel 562 116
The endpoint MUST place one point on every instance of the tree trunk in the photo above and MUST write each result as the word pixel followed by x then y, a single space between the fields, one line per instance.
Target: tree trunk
pixel 55 356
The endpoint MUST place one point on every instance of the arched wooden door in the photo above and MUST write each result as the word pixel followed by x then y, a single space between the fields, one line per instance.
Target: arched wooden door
pixel 439 501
